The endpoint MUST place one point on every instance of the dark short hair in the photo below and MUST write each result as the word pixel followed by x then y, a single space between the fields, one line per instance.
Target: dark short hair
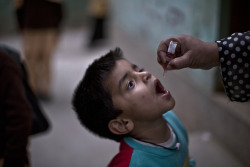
pixel 92 101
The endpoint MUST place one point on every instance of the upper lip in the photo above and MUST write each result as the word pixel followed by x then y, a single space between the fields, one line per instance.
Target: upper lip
pixel 159 89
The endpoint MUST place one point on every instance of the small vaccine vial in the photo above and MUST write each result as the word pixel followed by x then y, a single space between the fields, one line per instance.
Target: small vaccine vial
pixel 170 54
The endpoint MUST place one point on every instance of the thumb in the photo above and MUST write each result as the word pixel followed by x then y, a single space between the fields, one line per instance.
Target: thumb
pixel 179 62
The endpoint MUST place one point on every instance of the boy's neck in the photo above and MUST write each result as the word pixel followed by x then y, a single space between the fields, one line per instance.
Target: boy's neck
pixel 157 132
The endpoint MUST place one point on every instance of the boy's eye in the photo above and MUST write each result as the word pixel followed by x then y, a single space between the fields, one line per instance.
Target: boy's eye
pixel 131 84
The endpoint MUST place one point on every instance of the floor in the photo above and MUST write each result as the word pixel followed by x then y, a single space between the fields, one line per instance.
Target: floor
pixel 67 143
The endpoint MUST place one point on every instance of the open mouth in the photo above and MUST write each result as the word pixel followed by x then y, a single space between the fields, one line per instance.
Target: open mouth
pixel 159 89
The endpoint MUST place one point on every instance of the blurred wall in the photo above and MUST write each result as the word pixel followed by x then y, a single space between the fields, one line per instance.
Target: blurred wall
pixel 154 20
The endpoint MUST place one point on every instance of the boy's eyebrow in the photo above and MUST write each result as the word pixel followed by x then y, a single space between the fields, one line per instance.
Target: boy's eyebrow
pixel 123 79
pixel 126 75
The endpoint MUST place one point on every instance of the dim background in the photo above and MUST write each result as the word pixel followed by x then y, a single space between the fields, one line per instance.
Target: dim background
pixel 218 129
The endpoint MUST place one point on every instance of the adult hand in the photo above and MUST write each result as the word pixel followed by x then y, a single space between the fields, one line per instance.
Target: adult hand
pixel 190 52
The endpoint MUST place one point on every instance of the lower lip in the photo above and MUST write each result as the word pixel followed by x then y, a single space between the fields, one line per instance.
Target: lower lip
pixel 166 95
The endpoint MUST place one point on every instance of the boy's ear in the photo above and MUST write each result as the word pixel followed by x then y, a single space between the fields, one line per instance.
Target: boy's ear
pixel 121 126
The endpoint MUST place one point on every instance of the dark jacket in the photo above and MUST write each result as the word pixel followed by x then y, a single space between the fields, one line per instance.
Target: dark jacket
pixel 15 113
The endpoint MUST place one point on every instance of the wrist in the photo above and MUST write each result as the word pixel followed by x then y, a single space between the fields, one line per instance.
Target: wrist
pixel 213 53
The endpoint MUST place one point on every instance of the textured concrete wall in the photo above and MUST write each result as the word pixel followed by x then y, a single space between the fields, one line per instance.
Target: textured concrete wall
pixel 154 20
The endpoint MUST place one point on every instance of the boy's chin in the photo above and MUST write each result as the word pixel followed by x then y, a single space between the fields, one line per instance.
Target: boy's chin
pixel 171 108
pixel 171 105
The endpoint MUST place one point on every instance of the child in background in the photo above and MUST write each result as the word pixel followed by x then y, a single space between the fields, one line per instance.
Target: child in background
pixel 118 100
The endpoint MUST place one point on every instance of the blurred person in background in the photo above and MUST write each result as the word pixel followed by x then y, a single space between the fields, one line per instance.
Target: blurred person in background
pixel 15 114
pixel 39 22
pixel 98 13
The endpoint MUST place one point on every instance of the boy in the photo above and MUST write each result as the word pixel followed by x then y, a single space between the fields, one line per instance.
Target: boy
pixel 119 101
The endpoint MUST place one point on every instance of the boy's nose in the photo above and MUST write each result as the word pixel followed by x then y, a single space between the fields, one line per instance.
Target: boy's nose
pixel 145 76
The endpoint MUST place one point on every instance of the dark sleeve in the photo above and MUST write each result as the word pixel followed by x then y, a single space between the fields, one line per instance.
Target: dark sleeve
pixel 17 114
pixel 234 53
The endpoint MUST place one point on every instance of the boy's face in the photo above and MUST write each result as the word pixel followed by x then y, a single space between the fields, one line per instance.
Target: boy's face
pixel 137 93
